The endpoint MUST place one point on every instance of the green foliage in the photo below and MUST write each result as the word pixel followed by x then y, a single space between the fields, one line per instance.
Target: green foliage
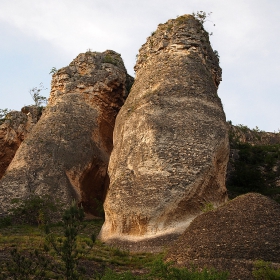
pixel 181 20
pixel 208 207
pixel 66 247
pixel 202 16
pixel 253 170
pixel 35 265
pixel 5 222
pixel 3 114
pixel 217 54
pixel 243 128
pixel 53 70
pixel 110 59
pixel 111 275
pixel 31 265
pixel 264 271
pixel 99 207
pixel 166 271
pixel 36 95
pixel 34 210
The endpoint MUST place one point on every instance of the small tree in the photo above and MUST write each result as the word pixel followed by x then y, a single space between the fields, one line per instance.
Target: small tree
pixel 202 16
pixel 66 247
pixel 36 96
pixel 53 70
pixel 25 264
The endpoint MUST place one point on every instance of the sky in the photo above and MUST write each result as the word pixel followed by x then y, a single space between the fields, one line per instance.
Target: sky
pixel 37 35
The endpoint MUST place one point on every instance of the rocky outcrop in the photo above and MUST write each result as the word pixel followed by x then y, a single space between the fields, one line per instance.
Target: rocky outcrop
pixel 232 237
pixel 244 135
pixel 67 153
pixel 170 140
pixel 13 130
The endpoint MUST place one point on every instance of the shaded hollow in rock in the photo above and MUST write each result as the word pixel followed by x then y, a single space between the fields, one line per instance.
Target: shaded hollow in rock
pixel 170 141
pixel 67 153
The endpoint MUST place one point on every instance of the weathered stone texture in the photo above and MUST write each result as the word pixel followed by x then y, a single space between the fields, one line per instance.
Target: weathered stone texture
pixel 170 139
pixel 67 153
pixel 13 130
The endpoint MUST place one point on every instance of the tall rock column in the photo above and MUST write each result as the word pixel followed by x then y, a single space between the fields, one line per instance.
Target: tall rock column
pixel 170 139
pixel 67 152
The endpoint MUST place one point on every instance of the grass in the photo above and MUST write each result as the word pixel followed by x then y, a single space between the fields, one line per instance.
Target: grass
pixel 25 237
pixel 97 262
pixel 264 271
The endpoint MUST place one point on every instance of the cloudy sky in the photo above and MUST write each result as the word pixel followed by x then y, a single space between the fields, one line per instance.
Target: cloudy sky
pixel 37 35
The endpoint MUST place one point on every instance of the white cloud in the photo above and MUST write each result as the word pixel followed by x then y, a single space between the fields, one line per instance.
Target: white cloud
pixel 246 36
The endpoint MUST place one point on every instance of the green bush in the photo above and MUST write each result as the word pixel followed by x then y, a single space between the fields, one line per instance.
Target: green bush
pixel 253 170
pixel 22 265
pixel 3 114
pixel 208 207
pixel 66 247
pixel 5 222
pixel 264 271
pixel 60 258
pixel 34 210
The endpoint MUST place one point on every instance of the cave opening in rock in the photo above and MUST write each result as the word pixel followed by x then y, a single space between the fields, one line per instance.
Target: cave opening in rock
pixel 94 187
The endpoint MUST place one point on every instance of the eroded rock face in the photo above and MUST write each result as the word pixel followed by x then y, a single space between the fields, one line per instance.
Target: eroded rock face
pixel 13 131
pixel 67 153
pixel 170 140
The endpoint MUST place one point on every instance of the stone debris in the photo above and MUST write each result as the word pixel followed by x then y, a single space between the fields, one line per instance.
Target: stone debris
pixel 232 237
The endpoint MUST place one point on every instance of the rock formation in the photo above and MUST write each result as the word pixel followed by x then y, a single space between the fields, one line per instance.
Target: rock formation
pixel 243 134
pixel 232 237
pixel 170 140
pixel 67 153
pixel 13 130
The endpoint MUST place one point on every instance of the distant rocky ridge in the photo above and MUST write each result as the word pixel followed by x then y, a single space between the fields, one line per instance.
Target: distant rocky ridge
pixel 170 140
pixel 243 134
pixel 67 153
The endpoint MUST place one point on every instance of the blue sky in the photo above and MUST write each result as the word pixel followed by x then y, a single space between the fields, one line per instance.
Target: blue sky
pixel 38 35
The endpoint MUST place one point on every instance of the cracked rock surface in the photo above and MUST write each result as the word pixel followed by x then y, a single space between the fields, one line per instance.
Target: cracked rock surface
pixel 67 153
pixel 170 140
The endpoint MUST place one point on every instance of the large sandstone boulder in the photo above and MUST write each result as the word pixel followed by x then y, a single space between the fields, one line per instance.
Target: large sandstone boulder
pixel 67 153
pixel 232 237
pixel 13 130
pixel 170 140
